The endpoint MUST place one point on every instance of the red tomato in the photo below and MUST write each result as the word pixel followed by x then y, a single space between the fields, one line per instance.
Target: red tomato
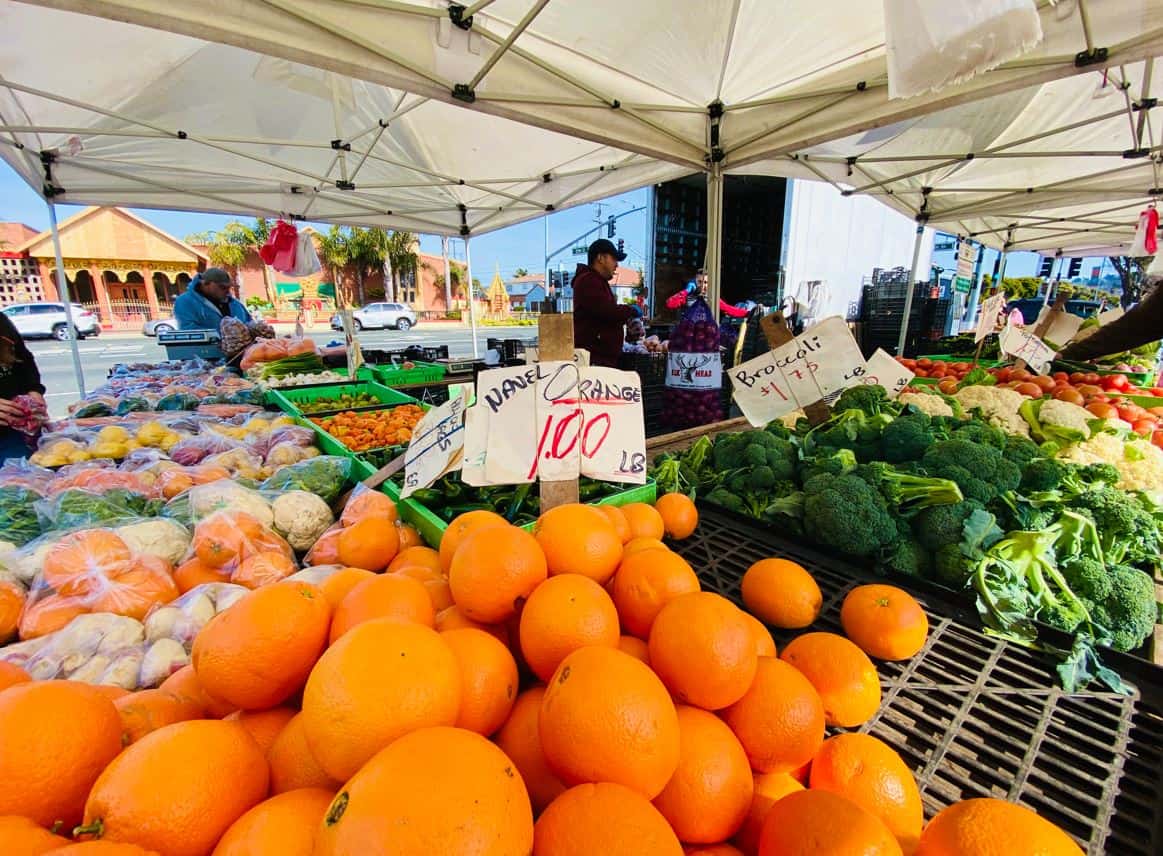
pixel 1044 382
pixel 948 385
pixel 1003 374
pixel 1091 377
pixel 919 372
pixel 1020 375
pixel 1115 382
pixel 1102 410
pixel 961 367
pixel 1131 412
pixel 938 370
pixel 1029 389
pixel 1060 376
pixel 1078 377
pixel 1157 438
pixel 1090 389
pixel 908 364
pixel 1068 393
pixel 925 363
pixel 1144 426
pixel 1155 411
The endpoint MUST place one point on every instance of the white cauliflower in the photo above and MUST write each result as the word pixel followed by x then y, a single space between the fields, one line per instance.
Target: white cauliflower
pixel 1140 463
pixel 167 539
pixel 301 517
pixel 162 659
pixel 1065 415
pixel 226 495
pixel 934 405
pixel 998 405
pixel 26 563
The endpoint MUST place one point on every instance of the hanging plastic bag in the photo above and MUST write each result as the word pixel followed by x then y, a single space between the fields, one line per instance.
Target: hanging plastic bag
pixel 694 372
pixel 280 248
pixel 306 259
pixel 1146 241
pixel 932 45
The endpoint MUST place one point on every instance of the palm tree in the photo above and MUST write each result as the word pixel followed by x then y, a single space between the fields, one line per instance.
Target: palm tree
pixel 400 258
pixel 520 272
pixel 229 247
pixel 335 252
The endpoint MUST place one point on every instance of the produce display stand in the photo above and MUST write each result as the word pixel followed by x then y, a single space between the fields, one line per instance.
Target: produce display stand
pixel 976 716
pixel 289 399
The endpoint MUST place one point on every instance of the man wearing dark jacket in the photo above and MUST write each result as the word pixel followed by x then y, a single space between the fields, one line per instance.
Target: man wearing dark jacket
pixel 598 318
pixel 1142 324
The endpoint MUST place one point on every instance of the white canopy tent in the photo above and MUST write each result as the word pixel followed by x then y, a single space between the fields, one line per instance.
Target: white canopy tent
pixel 401 112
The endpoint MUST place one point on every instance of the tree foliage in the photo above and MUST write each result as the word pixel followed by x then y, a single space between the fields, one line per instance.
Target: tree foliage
pixel 1132 271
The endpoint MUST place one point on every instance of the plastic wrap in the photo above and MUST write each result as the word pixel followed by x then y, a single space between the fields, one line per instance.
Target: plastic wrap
pixel 76 507
pixel 241 546
pixel 94 571
pixel 99 649
pixel 693 397
pixel 325 476
pixel 239 462
pixel 177 480
pixel 194 450
pixel 12 597
pixel 19 522
pixel 291 435
pixel 201 501
pixel 181 620
pixel 301 517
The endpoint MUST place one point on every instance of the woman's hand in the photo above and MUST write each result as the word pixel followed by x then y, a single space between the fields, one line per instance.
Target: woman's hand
pixel 9 412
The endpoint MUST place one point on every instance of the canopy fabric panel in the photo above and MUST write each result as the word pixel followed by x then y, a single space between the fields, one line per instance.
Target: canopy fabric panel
pixel 1060 168
pixel 174 122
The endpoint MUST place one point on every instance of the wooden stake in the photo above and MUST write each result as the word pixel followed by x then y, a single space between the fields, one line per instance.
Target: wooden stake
pixel 555 342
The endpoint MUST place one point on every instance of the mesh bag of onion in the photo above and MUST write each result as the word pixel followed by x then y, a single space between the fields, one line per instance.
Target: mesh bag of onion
pixel 694 375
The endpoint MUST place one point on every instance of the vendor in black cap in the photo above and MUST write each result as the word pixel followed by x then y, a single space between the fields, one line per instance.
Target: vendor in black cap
pixel 207 301
pixel 598 318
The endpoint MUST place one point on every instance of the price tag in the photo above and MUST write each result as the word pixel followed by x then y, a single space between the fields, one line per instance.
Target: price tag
pixel 761 391
pixel 831 346
pixel 437 445
pixel 990 310
pixel 509 396
pixel 555 421
pixel 1023 345
pixel 580 356
pixel 798 366
pixel 613 437
pixel 886 371
pixel 694 371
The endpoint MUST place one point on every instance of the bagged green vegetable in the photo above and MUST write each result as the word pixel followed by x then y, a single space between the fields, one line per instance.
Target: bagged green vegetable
pixel 178 401
pixel 19 523
pixel 76 508
pixel 325 476
pixel 132 405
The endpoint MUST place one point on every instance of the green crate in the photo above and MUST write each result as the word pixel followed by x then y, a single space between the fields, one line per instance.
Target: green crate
pixel 957 358
pixel 288 399
pixel 431 527
pixel 421 372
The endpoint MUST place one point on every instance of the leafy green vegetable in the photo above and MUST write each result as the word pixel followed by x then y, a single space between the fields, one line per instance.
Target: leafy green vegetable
pixel 325 476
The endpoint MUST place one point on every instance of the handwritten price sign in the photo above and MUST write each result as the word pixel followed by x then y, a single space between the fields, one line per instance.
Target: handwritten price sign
pixel 884 370
pixel 436 447
pixel 990 311
pixel 1026 346
pixel 556 421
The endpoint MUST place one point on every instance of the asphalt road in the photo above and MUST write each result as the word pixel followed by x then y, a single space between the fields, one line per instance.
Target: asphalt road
pixel 54 359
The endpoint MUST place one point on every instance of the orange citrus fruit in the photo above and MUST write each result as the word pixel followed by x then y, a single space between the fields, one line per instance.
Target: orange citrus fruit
pixel 679 515
pixel 644 520
pixel 770 788
pixel 821 822
pixel 781 593
pixel 460 528
pixel 520 739
pixel 383 596
pixel 579 539
pixel 603 818
pixel 494 570
pixel 779 720
pixel 884 621
pixel 646 581
pixel 992 826
pixel 616 517
pixel 488 679
pixel 564 613
pixel 841 673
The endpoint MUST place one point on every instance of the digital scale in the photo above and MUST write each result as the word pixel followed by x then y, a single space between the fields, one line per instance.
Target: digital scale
pixel 189 344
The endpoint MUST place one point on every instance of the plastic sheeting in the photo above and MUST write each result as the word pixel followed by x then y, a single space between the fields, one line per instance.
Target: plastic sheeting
pixel 233 105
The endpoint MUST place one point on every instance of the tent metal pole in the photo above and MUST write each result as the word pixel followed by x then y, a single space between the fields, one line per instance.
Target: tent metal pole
pixel 514 34
pixel 472 304
pixel 545 218
pixel 447 274
pixel 714 260
pixel 900 344
pixel 67 298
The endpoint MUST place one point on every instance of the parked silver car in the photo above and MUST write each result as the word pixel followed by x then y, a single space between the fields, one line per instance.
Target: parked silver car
pixel 45 320
pixel 158 326
pixel 380 316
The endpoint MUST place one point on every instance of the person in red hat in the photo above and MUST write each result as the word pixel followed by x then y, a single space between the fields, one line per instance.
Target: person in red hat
pixel 598 318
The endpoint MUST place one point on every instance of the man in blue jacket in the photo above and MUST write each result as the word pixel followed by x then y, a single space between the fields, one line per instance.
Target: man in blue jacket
pixel 207 301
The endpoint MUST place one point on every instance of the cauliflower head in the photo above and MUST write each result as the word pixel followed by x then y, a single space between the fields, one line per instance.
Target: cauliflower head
pixel 301 517
pixel 998 405
pixel 933 405
pixel 225 495
pixel 167 539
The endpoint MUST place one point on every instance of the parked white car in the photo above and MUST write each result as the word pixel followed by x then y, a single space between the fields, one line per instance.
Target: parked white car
pixel 48 320
pixel 380 316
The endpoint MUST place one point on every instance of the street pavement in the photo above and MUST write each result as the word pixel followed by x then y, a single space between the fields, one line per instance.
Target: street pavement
pixel 55 361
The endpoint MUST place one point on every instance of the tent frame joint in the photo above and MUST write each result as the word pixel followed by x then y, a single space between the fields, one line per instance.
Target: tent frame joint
pixel 49 189
pixel 182 135
pixel 464 230
pixel 464 92
pixel 459 19
pixel 1090 56
pixel 716 153
pixel 1145 104
pixel 1133 154
pixel 550 207
pixel 340 146
pixel 343 184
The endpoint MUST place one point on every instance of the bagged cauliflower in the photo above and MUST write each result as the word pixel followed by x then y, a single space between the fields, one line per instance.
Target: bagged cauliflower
pixel 301 517
pixel 167 539
pixel 200 501
pixel 182 620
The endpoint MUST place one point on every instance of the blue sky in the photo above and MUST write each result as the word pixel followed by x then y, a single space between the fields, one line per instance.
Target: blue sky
pixel 511 248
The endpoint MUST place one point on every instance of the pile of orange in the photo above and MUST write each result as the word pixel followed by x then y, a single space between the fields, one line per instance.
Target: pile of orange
pixel 565 692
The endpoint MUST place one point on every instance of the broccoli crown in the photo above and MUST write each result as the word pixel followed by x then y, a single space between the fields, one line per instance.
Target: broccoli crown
pixel 940 525
pixel 1042 474
pixel 1128 531
pixel 1088 578
pixel 908 557
pixel 907 437
pixel 834 462
pixel 1099 473
pixel 871 399
pixel 1021 450
pixel 905 492
pixel 977 431
pixel 979 470
pixel 951 567
pixel 779 430
pixel 760 478
pixel 846 513
pixel 722 496
pixel 850 429
pixel 1128 614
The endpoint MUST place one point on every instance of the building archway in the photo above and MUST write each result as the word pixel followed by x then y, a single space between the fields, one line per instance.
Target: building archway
pixel 165 290
pixel 82 289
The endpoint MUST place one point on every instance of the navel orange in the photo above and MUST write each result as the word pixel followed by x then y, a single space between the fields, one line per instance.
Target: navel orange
pixel 646 581
pixel 564 613
pixel 488 676
pixel 811 821
pixel 779 720
pixel 781 593
pixel 383 596
pixel 992 826
pixel 841 673
pixel 884 621
pixel 579 539
pixel 520 739
pixel 605 818
pixel 286 824
pixel 494 570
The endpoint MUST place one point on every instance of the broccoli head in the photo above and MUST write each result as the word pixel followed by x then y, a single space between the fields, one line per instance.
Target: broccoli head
pixel 1127 530
pixel 1095 474
pixel 979 470
pixel 908 493
pixel 977 431
pixel 952 568
pixel 940 525
pixel 1043 474
pixel 908 557
pixel 1129 612
pixel 1088 577
pixel 871 399
pixel 846 513
pixel 907 437
pixel 1021 450
pixel 835 463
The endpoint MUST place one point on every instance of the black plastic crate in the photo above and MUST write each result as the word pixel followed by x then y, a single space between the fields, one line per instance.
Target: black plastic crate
pixel 974 715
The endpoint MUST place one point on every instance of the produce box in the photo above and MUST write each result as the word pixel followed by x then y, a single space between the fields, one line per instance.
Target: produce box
pixel 957 358
pixel 421 372
pixel 431 526
pixel 289 399
pixel 364 373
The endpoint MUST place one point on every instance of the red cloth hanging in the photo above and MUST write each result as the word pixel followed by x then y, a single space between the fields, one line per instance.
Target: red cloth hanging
pixel 279 250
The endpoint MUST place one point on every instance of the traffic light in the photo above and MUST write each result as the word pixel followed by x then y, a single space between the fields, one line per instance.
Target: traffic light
pixel 1047 267
pixel 1075 268
pixel 565 280
pixel 621 245
pixel 611 227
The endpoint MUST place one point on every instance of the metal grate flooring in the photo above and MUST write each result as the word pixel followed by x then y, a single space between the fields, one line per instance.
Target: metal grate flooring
pixel 976 716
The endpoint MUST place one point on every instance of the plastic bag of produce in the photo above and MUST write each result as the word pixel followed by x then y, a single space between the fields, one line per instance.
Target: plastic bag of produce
pixel 325 476
pixel 174 481
pixel 694 376
pixel 181 620
pixel 202 500
pixel 99 649
pixel 239 462
pixel 301 517
pixel 93 571
pixel 76 507
pixel 12 597
pixel 238 545
pixel 101 479
pixel 194 450
pixel 294 435
pixel 19 472
pixel 19 522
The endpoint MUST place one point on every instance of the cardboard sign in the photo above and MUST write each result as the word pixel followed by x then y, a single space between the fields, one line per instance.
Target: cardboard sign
pixel 437 445
pixel 351 342
pixel 555 421
pixel 1023 345
pixel 990 310
pixel 888 372
pixel 761 391
pixel 580 356
pixel 1062 328
pixel 1110 315
pixel 832 355
pixel 694 371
